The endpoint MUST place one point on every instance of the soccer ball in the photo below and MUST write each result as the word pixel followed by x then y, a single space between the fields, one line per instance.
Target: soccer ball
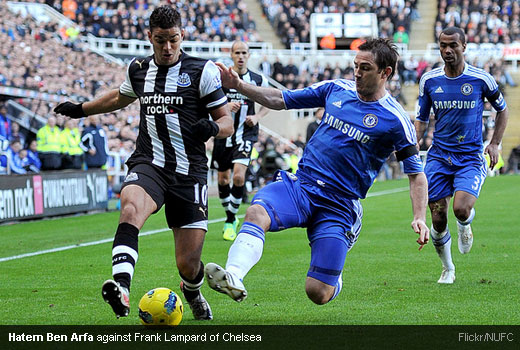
pixel 160 307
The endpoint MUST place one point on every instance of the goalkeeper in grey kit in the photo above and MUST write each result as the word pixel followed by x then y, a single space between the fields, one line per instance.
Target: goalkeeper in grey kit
pixel 169 165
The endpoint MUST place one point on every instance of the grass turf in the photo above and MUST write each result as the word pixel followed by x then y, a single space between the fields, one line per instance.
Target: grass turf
pixel 386 279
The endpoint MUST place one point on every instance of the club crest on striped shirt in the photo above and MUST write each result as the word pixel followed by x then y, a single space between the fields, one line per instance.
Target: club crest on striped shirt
pixel 184 80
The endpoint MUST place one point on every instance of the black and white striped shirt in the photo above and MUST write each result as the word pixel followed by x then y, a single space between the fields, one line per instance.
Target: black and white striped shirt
pixel 242 131
pixel 172 99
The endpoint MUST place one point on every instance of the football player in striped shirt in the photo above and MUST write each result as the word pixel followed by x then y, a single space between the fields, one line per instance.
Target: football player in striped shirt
pixel 177 94
pixel 234 153
pixel 455 165
pixel 362 125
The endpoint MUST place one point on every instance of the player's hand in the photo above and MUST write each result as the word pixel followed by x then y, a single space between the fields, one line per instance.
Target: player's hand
pixel 251 120
pixel 492 151
pixel 204 129
pixel 229 77
pixel 73 110
pixel 419 226
pixel 234 106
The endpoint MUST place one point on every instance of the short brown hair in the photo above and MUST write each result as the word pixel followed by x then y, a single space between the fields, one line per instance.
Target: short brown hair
pixel 384 51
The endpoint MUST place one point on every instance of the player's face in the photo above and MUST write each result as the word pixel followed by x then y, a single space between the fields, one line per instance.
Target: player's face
pixel 452 49
pixel 369 79
pixel 240 56
pixel 166 44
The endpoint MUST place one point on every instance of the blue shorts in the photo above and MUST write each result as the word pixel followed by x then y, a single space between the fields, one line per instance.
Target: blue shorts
pixel 450 172
pixel 327 216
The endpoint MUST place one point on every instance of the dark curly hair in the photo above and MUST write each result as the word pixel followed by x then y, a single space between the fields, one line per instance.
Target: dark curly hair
pixel 165 17
pixel 384 51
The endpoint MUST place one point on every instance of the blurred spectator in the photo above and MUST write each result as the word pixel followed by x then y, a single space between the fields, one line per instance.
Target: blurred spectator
pixel 265 67
pixel 17 134
pixel 32 155
pixel 72 154
pixel 270 161
pixel 401 36
pixel 15 162
pixel 394 166
pixel 5 123
pixel 484 21
pixel 394 87
pixel 49 145
pixel 94 143
pixel 69 8
pixel 311 128
pixel 299 141
pixel 410 70
pixel 513 163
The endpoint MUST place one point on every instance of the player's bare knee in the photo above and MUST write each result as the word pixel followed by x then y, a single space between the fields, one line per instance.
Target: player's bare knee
pixel 189 268
pixel 317 295
pixel 257 215
pixel 461 213
pixel 238 180
pixel 128 211
pixel 439 216
pixel 318 292
pixel 223 178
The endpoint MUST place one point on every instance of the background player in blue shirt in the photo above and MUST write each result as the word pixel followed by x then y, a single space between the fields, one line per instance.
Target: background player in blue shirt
pixel 361 127
pixel 455 165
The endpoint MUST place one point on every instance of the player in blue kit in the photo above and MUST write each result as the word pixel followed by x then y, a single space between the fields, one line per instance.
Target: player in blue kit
pixel 455 165
pixel 361 127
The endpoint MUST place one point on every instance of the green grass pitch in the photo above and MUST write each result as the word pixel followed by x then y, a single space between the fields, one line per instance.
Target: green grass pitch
pixel 386 279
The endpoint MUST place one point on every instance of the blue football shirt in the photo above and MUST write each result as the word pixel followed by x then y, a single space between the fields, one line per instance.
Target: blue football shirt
pixel 458 104
pixel 354 139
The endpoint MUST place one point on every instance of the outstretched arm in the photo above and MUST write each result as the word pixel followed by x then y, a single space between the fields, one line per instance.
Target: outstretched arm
pixel 500 127
pixel 108 102
pixel 266 96
pixel 419 196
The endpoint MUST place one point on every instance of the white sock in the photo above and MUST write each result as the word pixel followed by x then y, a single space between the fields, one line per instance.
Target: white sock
pixel 337 289
pixel 246 250
pixel 442 244
pixel 469 219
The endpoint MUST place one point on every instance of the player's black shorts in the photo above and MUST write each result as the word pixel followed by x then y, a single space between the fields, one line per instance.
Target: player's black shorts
pixel 224 157
pixel 185 198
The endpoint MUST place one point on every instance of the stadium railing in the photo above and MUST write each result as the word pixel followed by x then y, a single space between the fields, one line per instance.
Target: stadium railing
pixel 134 47
pixel 25 117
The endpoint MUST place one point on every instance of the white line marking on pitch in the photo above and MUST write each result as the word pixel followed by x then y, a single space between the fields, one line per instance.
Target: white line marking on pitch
pixel 152 232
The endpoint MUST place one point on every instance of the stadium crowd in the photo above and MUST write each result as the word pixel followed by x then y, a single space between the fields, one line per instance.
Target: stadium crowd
pixel 290 19
pixel 50 63
pixel 52 66
pixel 483 21
pixel 203 20
pixel 410 70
